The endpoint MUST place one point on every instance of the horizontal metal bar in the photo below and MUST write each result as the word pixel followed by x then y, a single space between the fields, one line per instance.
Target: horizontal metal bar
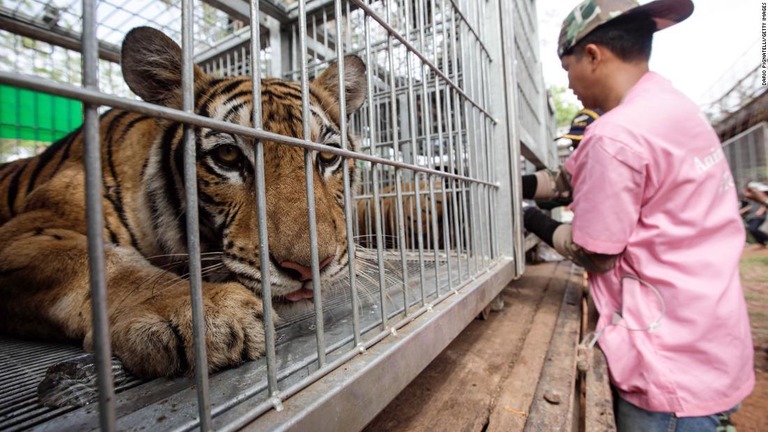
pixel 239 9
pixel 315 7
pixel 371 13
pixel 26 26
pixel 98 98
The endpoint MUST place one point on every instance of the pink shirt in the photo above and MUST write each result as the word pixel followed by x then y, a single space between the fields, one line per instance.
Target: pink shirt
pixel 651 184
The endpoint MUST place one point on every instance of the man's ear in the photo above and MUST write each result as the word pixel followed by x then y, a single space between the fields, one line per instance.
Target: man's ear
pixel 594 54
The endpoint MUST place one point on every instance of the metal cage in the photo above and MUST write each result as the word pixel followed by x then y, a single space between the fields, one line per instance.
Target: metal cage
pixel 454 90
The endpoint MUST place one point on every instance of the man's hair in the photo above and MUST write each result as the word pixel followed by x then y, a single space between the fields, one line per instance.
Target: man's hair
pixel 628 37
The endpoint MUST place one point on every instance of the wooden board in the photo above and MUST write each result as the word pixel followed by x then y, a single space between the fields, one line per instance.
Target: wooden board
pixel 488 377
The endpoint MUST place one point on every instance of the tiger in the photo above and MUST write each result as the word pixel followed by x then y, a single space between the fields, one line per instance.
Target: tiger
pixel 44 264
pixel 429 204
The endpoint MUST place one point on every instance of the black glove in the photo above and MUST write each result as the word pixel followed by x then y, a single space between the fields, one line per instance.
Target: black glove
pixel 535 221
pixel 559 196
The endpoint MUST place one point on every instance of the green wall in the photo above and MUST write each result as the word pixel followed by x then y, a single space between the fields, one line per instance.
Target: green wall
pixel 35 116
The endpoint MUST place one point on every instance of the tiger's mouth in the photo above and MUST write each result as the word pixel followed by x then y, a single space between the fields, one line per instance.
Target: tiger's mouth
pixel 285 288
pixel 305 293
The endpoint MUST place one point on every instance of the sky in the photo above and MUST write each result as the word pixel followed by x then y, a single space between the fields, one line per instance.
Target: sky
pixel 703 56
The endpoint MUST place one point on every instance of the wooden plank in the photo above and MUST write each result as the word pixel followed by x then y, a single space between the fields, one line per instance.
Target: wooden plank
pixel 457 390
pixel 598 400
pixel 598 410
pixel 510 411
pixel 553 406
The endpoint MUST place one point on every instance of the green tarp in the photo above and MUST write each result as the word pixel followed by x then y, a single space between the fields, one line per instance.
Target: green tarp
pixel 36 116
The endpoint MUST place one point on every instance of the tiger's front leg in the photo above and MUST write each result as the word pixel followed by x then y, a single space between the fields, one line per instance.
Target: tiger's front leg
pixel 45 290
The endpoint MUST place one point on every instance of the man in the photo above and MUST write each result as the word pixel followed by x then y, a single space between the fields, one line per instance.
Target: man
pixel 656 226
pixel 756 211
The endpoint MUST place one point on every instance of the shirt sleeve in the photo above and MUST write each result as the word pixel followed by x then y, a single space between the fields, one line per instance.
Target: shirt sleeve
pixel 608 185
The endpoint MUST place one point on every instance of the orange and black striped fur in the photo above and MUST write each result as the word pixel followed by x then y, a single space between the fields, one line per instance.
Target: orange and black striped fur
pixel 437 232
pixel 44 279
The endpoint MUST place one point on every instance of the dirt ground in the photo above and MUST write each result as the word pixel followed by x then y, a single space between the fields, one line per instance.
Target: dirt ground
pixel 477 361
pixel 753 416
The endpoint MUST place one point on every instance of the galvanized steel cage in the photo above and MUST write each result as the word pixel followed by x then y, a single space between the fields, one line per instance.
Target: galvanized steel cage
pixel 454 90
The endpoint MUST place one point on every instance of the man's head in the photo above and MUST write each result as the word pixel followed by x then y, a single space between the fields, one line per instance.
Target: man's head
pixel 605 45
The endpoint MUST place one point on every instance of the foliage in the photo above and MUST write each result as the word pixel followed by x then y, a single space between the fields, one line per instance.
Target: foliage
pixel 565 108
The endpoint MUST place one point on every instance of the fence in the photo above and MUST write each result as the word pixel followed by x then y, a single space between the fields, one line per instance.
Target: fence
pixel 429 195
pixel 747 155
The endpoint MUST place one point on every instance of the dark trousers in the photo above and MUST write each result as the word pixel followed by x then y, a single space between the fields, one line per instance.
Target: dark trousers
pixel 753 226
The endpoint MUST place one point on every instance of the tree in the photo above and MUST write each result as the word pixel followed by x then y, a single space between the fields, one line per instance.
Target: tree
pixel 565 108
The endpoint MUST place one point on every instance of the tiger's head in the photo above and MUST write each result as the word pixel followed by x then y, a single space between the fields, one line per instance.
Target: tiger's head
pixel 151 64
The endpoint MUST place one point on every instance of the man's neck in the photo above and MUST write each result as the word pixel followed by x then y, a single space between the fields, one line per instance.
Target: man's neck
pixel 622 78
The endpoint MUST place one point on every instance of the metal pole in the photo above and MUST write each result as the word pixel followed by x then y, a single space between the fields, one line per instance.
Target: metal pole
pixel 261 203
pixel 375 179
pixel 414 149
pixel 309 171
pixel 193 224
pixel 92 160
pixel 347 179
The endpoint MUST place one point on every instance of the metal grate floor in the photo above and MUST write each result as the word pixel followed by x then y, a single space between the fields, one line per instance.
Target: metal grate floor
pixel 166 404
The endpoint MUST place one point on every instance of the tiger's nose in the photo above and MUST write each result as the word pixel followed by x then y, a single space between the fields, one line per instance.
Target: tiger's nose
pixel 300 272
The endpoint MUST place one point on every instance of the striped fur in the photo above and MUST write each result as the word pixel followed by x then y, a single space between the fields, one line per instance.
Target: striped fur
pixel 44 279
pixel 438 232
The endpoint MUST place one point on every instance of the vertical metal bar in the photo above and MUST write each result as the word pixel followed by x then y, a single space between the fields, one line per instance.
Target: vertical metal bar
pixel 414 148
pixel 193 224
pixel 458 117
pixel 490 157
pixel 399 216
pixel 401 235
pixel 427 104
pixel 452 111
pixel 395 144
pixel 510 79
pixel 475 143
pixel 309 171
pixel 440 138
pixel 470 223
pixel 375 178
pixel 487 143
pixel 449 148
pixel 96 265
pixel 295 53
pixel 261 204
pixel 325 27
pixel 347 181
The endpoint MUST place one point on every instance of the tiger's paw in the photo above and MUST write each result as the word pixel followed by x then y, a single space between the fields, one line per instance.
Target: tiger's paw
pixel 155 338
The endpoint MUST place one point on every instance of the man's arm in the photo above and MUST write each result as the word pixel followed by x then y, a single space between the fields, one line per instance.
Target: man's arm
pixel 559 236
pixel 546 185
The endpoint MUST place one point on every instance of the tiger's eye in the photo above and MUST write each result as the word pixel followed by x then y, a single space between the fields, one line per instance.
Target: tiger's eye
pixel 327 158
pixel 227 155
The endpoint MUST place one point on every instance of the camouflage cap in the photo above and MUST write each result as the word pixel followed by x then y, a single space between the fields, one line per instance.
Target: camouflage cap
pixel 591 14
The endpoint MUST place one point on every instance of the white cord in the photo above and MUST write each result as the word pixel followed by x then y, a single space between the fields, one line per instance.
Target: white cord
pixel 590 339
pixel 655 324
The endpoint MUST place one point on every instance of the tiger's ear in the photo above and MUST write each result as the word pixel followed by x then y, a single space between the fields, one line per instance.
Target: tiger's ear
pixel 354 82
pixel 151 64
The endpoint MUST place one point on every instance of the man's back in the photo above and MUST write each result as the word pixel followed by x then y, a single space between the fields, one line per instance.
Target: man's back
pixel 672 215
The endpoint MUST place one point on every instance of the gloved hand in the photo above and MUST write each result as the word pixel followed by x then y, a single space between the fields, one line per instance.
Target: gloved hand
pixel 535 221
pixel 547 185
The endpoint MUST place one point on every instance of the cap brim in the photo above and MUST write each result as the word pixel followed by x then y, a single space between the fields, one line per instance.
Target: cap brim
pixel 570 137
pixel 666 13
